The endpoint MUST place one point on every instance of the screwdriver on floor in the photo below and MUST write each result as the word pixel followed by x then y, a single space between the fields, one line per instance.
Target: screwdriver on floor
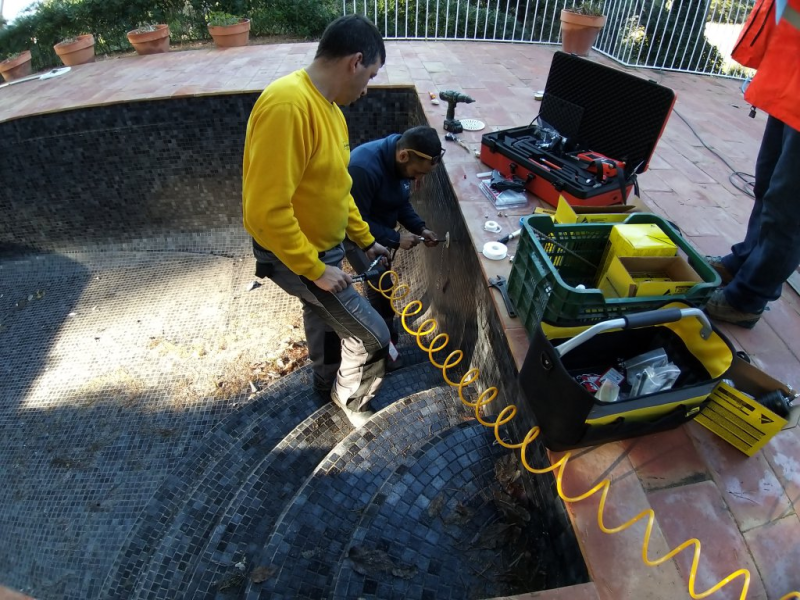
pixel 454 138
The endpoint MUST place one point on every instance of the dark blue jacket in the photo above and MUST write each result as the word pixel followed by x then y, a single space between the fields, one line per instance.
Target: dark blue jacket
pixel 381 194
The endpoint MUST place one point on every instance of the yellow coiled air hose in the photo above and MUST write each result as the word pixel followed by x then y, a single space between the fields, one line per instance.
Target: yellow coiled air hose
pixel 390 287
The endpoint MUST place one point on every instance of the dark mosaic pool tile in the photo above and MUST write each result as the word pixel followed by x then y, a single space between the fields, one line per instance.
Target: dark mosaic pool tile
pixel 236 502
pixel 399 430
pixel 186 186
pixel 102 228
pixel 420 531
pixel 195 486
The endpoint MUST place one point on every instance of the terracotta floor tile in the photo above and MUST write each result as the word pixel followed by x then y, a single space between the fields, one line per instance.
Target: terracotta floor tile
pixel 614 560
pixel 776 551
pixel 681 163
pixel 666 459
pixel 698 511
pixel 750 488
pixel 783 454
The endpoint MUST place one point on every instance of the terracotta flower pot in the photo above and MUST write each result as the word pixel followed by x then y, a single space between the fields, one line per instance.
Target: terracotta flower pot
pixel 228 36
pixel 150 42
pixel 16 67
pixel 579 32
pixel 79 52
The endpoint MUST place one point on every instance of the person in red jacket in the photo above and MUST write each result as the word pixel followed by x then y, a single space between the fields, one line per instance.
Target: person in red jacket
pixel 754 272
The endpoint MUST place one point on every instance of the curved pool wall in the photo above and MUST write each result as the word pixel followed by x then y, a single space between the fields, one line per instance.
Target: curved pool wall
pixel 166 174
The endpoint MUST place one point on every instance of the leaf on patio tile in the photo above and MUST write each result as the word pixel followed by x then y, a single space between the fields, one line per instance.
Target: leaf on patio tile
pixel 261 574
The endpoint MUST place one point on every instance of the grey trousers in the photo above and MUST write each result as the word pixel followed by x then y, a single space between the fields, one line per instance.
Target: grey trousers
pixel 358 260
pixel 348 340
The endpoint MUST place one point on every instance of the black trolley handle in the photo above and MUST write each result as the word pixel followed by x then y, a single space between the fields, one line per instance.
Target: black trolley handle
pixel 636 320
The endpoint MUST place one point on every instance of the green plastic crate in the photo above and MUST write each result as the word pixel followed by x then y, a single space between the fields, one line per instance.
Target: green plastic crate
pixel 544 275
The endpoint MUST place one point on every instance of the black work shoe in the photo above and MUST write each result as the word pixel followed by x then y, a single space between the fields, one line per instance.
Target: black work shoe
pixel 715 262
pixel 357 418
pixel 719 309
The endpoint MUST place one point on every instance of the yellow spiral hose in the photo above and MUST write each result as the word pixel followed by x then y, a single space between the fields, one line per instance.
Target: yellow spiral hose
pixel 389 286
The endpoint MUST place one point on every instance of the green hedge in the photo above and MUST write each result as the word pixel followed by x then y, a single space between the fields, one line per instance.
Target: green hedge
pixel 50 21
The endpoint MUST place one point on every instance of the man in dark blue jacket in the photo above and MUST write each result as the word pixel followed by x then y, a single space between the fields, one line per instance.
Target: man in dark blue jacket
pixel 383 173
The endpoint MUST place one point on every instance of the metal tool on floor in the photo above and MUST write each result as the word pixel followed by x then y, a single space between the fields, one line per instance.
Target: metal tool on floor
pixel 42 76
pixel 452 98
pixel 500 283
pixel 513 235
pixel 454 138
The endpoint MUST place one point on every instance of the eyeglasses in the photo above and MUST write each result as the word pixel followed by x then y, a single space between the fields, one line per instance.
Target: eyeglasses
pixel 435 160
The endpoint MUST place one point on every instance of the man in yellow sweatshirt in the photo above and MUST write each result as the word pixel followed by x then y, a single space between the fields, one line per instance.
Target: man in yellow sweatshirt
pixel 298 208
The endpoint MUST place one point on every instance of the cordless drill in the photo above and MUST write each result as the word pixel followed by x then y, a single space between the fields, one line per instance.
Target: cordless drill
pixel 452 98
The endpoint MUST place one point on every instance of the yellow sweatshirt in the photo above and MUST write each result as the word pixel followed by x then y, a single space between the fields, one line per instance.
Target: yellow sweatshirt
pixel 296 189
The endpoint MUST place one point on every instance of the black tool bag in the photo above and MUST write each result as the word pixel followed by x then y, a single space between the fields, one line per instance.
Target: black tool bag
pixel 572 417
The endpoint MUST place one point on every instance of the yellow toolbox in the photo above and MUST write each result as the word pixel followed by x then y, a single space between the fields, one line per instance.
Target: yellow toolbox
pixel 636 239
pixel 630 276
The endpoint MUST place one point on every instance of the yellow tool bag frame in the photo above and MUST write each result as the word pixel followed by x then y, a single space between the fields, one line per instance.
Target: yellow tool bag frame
pixel 571 417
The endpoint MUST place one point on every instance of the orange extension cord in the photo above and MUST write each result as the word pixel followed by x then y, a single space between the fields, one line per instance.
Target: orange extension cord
pixel 395 291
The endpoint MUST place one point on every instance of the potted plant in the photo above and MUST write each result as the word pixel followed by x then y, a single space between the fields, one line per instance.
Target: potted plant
pixel 580 26
pixel 228 30
pixel 16 66
pixel 150 39
pixel 76 50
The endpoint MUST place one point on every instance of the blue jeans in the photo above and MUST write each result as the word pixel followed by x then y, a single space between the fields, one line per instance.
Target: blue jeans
pixel 770 251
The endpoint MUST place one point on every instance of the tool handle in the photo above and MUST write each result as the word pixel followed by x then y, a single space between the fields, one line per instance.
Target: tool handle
pixel 507 238
pixel 634 321
pixel 369 274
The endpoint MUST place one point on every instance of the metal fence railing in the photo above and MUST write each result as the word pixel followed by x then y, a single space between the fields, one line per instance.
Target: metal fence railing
pixel 694 36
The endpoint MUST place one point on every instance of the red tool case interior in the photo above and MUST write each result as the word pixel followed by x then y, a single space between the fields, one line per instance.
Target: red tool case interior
pixel 594 108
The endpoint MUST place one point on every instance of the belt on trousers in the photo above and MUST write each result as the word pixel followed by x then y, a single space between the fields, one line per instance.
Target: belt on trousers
pixel 260 247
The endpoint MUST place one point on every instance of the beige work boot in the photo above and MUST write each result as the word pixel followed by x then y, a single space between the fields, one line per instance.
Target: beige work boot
pixel 357 418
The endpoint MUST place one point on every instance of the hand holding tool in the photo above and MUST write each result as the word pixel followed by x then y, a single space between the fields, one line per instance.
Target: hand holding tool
pixel 374 263
pixel 374 270
pixel 452 98
pixel 445 240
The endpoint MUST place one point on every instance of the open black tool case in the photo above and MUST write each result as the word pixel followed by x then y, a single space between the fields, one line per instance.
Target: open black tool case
pixel 596 131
